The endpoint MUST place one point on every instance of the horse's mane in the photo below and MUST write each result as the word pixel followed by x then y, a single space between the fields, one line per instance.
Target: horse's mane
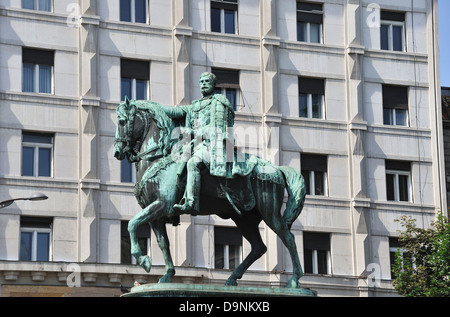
pixel 154 110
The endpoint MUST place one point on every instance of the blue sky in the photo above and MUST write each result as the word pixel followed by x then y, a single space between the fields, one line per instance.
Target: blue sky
pixel 444 41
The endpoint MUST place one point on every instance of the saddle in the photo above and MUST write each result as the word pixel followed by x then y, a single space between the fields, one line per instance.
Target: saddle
pixel 238 190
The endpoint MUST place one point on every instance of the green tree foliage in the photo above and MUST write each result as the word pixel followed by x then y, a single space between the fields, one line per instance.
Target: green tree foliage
pixel 422 266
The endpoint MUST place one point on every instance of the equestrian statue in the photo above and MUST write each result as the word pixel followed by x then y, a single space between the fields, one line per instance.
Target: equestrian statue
pixel 186 163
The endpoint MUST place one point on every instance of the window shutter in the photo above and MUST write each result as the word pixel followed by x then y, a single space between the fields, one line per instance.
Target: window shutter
pixel 309 12
pixel 393 16
pixel 226 78
pixel 312 162
pixel 311 86
pixel 134 69
pixel 316 241
pixel 37 56
pixel 398 165
pixel 395 97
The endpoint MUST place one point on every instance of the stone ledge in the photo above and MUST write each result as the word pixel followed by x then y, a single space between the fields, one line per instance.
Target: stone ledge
pixel 202 290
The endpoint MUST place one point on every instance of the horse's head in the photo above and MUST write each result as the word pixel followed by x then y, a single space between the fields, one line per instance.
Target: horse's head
pixel 130 129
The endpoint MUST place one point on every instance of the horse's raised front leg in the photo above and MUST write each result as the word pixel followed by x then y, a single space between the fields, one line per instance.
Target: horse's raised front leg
pixel 150 213
pixel 159 228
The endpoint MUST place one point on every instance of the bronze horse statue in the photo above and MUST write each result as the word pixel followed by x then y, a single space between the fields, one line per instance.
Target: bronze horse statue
pixel 145 135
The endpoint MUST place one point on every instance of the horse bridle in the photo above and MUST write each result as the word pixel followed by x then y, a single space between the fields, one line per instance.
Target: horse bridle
pixel 132 151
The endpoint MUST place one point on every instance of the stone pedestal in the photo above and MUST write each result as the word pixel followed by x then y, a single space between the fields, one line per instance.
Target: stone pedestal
pixel 202 290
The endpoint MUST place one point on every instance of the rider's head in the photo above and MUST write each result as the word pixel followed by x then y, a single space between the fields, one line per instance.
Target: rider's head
pixel 207 84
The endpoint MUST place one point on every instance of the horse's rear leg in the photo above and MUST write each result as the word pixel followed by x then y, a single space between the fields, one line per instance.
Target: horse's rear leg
pixel 159 228
pixel 248 225
pixel 146 215
pixel 282 230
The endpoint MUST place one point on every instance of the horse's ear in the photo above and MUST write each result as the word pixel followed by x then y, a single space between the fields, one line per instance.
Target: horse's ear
pixel 127 102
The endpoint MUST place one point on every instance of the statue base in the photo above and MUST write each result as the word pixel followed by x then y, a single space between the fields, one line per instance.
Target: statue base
pixel 207 290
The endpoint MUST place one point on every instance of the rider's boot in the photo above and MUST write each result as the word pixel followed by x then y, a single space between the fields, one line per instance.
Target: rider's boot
pixel 191 203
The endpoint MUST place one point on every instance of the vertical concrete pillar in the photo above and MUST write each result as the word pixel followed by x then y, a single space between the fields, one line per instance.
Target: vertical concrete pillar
pixel 89 103
pixel 357 128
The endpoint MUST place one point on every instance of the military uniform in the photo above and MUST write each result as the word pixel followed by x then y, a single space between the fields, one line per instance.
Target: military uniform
pixel 211 120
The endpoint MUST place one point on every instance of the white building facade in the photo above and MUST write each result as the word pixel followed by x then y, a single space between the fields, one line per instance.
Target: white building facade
pixel 347 91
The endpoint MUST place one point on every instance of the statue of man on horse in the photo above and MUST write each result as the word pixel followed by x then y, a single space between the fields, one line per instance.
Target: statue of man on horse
pixel 247 190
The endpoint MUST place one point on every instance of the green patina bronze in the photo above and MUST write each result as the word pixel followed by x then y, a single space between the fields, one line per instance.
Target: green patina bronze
pixel 186 164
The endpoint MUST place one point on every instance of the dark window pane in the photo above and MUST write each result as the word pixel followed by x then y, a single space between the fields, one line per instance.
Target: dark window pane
pixel 215 20
pixel 384 32
pixel 230 27
pixel 143 244
pixel 25 246
pixel 322 261
pixel 400 117
pixel 45 162
pixel 43 246
pixel 314 31
pixel 233 256
pixel 45 5
pixel 388 116
pixel 317 106
pixel 303 106
pixel 319 186
pixel 397 38
pixel 218 256
pixel 308 261
pixel 45 79
pixel 306 176
pixel 125 13
pixel 390 187
pixel 141 90
pixel 126 171
pixel 125 250
pixel 28 4
pixel 141 15
pixel 126 88
pixel 403 188
pixel 232 96
pixel 301 31
pixel 27 161
pixel 28 78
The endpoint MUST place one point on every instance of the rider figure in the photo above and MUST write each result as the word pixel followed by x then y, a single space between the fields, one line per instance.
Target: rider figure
pixel 211 119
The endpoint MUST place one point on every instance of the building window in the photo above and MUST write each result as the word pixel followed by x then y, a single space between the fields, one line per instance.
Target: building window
pixel 317 253
pixel 395 247
pixel 143 235
pixel 395 105
pixel 127 172
pixel 135 77
pixel 135 11
pixel 37 71
pixel 224 15
pixel 41 5
pixel 35 239
pixel 398 180
pixel 227 248
pixel 228 84
pixel 37 154
pixel 392 31
pixel 314 171
pixel 311 98
pixel 309 22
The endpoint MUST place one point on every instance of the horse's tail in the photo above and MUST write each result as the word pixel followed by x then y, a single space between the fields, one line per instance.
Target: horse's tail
pixel 295 186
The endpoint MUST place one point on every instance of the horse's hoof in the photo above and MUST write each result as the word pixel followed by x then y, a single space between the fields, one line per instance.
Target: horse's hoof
pixel 293 283
pixel 165 279
pixel 231 282
pixel 146 263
